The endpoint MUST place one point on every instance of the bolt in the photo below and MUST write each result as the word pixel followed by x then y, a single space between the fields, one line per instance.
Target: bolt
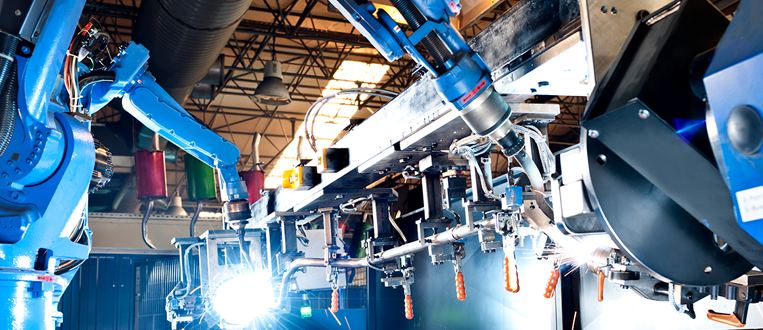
pixel 17 170
pixel 10 163
pixel 5 175
pixel 26 50
pixel 38 142
pixel 29 161
pixel 643 113
pixel 402 160
pixel 742 295
pixel 17 12
pixel 593 133
pixel 38 134
pixel 33 155
pixel 15 195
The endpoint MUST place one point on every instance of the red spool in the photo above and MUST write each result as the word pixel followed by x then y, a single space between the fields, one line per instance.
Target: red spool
pixel 150 176
pixel 255 181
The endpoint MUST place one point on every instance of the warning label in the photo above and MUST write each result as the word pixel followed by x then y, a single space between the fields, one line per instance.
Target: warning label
pixel 473 92
pixel 46 278
pixel 750 203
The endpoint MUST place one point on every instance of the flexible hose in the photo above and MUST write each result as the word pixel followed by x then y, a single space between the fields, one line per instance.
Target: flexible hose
pixel 8 88
pixel 91 78
pixel 195 218
pixel 144 225
pixel 187 270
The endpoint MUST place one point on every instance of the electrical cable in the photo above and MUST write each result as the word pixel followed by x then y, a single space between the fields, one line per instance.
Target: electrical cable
pixel 91 78
pixel 394 224
pixel 69 265
pixel 455 215
pixel 372 266
pixel 465 148
pixel 187 270
pixel 144 225
pixel 302 235
pixel 407 176
pixel 548 161
pixel 683 309
pixel 383 93
pixel 351 205
pixel 199 205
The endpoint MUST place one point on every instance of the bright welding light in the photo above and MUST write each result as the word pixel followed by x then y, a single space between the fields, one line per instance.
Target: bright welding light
pixel 243 298
pixel 579 251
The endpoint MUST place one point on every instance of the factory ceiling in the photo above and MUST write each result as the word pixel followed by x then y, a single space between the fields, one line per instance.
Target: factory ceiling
pixel 320 52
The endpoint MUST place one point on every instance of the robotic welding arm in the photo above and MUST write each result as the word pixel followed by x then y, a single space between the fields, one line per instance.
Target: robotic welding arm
pixel 460 76
pixel 148 102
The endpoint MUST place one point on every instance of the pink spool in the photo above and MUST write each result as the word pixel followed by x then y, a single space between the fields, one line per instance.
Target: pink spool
pixel 150 175
pixel 255 181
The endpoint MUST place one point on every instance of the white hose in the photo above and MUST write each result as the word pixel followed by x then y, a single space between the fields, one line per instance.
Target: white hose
pixel 187 270
pixel 548 162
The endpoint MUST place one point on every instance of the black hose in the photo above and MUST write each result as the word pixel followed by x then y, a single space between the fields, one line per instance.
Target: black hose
pixel 69 265
pixel 144 225
pixel 95 77
pixel 431 42
pixel 195 218
pixel 8 88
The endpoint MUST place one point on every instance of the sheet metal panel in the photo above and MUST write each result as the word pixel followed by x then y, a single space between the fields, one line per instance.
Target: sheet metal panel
pixel 104 293
pixel 503 42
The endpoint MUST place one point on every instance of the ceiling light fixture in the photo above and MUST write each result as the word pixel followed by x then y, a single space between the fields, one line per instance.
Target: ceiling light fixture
pixel 271 91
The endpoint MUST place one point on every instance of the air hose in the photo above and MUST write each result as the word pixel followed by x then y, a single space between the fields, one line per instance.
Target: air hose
pixel 8 88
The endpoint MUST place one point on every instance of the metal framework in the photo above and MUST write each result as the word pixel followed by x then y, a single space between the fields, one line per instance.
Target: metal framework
pixel 311 42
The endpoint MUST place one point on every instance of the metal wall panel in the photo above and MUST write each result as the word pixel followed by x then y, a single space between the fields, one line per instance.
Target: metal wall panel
pixel 103 293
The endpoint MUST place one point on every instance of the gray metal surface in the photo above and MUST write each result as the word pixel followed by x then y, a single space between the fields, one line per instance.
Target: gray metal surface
pixel 402 125
pixel 559 69
pixel 521 29
pixel 663 239
pixel 625 310
pixel 215 271
pixel 606 29
pixel 314 278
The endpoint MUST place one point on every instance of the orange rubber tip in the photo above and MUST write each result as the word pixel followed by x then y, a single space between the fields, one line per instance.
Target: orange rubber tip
pixel 552 281
pixel 512 275
pixel 460 289
pixel 600 286
pixel 727 319
pixel 408 307
pixel 335 301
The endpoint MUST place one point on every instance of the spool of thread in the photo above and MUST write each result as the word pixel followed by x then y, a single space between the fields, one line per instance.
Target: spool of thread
pixel 255 181
pixel 200 178
pixel 150 175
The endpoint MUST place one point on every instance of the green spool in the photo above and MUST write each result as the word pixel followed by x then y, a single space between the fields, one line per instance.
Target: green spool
pixel 360 251
pixel 200 178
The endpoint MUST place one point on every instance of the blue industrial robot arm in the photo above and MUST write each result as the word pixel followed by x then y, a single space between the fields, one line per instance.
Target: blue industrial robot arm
pixel 148 102
pixel 152 106
pixel 459 74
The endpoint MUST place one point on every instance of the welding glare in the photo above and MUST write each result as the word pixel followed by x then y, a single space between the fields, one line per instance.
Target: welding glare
pixel 243 297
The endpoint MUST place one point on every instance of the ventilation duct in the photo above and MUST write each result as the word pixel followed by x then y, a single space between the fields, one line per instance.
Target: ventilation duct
pixel 185 37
